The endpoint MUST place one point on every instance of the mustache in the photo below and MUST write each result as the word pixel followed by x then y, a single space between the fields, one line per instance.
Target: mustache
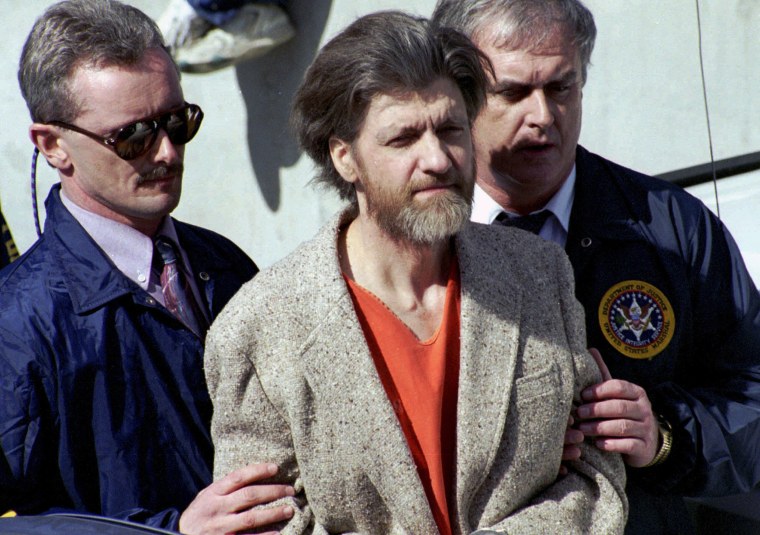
pixel 162 171
pixel 446 180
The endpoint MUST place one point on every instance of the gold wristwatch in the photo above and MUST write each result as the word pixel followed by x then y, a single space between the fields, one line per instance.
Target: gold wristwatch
pixel 666 442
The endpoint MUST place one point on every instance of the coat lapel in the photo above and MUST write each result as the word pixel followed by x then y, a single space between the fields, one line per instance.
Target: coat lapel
pixel 490 312
pixel 339 368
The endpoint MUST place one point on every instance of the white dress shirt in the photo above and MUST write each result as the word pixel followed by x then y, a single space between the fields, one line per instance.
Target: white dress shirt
pixel 485 210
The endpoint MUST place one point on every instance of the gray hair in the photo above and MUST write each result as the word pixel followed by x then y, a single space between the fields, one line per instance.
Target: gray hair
pixel 76 33
pixel 520 23
pixel 378 54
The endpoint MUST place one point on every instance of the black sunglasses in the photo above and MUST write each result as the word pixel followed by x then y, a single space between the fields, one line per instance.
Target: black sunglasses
pixel 135 139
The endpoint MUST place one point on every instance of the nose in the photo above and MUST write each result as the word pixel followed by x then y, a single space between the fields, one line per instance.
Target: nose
pixel 434 158
pixel 539 112
pixel 165 150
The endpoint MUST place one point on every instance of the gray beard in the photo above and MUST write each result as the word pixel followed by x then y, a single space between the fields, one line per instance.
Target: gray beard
pixel 431 224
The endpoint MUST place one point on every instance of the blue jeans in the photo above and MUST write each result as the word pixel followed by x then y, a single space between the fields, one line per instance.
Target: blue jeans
pixel 217 12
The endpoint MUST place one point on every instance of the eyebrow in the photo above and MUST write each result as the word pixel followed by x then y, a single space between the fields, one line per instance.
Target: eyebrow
pixel 510 83
pixel 389 132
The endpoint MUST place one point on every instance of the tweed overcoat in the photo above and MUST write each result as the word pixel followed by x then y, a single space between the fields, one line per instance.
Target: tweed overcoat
pixel 293 382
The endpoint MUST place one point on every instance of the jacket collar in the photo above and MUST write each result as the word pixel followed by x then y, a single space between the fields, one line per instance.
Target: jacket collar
pixel 92 280
pixel 598 185
pixel 90 277
pixel 600 212
pixel 203 258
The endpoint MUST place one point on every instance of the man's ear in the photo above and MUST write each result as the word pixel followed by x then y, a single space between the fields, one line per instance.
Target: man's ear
pixel 343 159
pixel 48 140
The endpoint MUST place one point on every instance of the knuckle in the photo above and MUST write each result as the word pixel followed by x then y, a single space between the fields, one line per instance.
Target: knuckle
pixel 235 478
pixel 641 396
pixel 625 428
pixel 254 518
pixel 251 494
pixel 251 519
pixel 618 406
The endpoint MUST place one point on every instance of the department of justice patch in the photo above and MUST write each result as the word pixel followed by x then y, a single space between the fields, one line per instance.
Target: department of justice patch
pixel 637 319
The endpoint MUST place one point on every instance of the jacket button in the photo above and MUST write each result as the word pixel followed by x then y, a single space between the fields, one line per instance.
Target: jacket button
pixel 586 242
pixel 150 301
pixel 204 276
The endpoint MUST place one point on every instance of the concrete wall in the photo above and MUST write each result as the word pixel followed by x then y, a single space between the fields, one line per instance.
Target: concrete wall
pixel 246 179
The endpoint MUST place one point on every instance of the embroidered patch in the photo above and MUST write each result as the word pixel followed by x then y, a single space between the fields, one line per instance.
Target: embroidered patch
pixel 637 319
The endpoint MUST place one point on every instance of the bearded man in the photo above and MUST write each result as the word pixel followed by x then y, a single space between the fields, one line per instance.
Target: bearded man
pixel 405 374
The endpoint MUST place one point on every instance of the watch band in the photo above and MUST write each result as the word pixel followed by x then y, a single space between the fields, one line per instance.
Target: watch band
pixel 666 442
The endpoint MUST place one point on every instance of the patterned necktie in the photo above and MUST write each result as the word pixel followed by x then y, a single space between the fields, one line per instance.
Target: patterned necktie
pixel 178 296
pixel 531 223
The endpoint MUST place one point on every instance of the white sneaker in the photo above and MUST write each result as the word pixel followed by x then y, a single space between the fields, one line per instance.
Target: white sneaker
pixel 255 30
pixel 181 25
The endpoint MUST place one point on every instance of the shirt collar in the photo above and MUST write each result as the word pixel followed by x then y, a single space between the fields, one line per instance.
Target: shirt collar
pixel 485 209
pixel 561 204
pixel 130 250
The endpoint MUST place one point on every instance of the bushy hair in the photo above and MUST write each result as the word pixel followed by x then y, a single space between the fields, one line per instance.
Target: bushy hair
pixel 521 23
pixel 76 33
pixel 379 53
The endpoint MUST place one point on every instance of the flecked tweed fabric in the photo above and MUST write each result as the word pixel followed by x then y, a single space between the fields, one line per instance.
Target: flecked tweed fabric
pixel 293 382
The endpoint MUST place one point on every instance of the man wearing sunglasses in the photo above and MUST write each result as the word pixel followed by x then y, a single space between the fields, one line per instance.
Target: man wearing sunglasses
pixel 103 402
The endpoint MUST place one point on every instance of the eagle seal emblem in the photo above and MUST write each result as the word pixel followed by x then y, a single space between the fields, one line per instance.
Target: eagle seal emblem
pixel 637 319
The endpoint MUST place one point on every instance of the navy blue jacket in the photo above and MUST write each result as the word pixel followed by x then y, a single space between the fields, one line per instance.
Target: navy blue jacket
pixel 672 308
pixel 103 399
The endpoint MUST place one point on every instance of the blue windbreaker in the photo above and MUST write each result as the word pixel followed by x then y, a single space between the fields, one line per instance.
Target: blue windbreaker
pixel 103 400
pixel 672 308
